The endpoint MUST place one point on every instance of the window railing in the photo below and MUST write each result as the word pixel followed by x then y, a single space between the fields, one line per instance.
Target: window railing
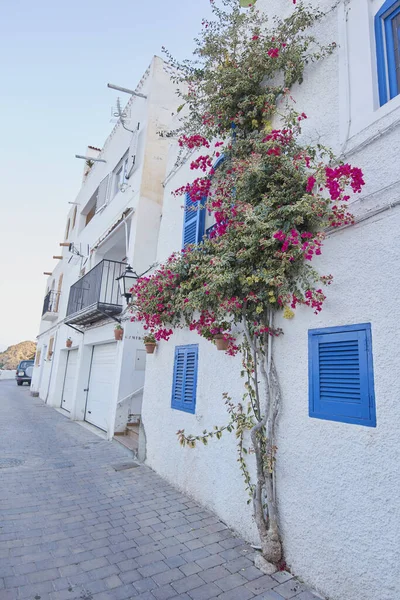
pixel 98 288
pixel 51 301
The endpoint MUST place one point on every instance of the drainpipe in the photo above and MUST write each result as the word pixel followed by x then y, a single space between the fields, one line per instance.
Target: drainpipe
pixel 345 17
pixel 51 368
pixel 126 239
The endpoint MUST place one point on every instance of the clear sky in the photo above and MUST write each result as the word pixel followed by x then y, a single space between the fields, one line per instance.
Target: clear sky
pixel 56 59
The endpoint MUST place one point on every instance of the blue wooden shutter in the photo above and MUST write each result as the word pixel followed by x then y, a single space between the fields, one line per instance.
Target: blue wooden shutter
pixel 341 374
pixel 185 378
pixel 193 222
pixel 392 30
pixel 387 37
pixel 179 370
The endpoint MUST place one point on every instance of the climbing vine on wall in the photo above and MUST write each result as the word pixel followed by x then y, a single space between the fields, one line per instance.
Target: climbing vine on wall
pixel 273 196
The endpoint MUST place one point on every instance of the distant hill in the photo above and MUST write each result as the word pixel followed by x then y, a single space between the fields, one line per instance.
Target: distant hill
pixel 10 358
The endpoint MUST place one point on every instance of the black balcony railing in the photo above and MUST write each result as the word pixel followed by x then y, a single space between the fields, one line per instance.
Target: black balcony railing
pixel 96 295
pixel 50 304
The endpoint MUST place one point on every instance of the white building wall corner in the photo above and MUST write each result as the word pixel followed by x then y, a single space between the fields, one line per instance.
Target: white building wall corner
pixel 338 483
pixel 143 196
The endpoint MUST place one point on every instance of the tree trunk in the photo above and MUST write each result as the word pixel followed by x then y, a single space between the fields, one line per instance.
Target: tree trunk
pixel 263 439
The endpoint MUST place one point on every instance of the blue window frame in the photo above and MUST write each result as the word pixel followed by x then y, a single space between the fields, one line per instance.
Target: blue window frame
pixel 219 160
pixel 185 378
pixel 387 35
pixel 193 221
pixel 341 378
pixel 210 231
pixel 211 228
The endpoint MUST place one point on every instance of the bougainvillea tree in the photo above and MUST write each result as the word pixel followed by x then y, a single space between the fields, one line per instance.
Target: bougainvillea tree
pixel 272 197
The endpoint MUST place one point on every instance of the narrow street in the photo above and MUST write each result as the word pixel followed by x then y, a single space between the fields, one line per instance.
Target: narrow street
pixel 73 527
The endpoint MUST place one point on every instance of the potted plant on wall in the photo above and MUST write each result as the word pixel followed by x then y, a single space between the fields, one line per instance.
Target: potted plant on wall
pixel 68 343
pixel 149 343
pixel 118 333
pixel 221 341
pixel 218 332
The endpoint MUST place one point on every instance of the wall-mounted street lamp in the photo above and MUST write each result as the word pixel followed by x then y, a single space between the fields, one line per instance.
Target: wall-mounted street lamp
pixel 127 280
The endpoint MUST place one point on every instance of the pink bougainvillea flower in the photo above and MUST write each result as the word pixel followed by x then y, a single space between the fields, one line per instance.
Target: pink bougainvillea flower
pixel 310 184
pixel 273 52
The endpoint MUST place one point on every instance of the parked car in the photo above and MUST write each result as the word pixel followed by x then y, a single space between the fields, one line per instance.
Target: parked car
pixel 24 372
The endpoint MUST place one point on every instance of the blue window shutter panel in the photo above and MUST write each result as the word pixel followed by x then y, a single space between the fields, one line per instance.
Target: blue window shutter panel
pixel 193 221
pixel 179 367
pixel 219 160
pixel 341 382
pixel 189 222
pixel 380 60
pixel 391 52
pixel 385 32
pixel 185 378
pixel 201 220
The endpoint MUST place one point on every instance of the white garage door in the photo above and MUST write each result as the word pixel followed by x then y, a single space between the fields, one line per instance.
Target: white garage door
pixel 101 382
pixel 69 380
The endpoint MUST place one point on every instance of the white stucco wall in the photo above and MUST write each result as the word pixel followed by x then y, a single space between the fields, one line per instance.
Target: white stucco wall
pixel 338 484
pixel 7 374
pixel 209 474
pixel 143 194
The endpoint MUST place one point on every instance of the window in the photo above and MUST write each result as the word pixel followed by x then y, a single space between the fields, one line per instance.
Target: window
pixel 89 210
pixel 57 302
pixel 50 349
pixel 210 222
pixel 341 380
pixel 118 179
pixel 67 230
pixel 37 360
pixel 198 221
pixel 24 364
pixel 193 221
pixel 387 34
pixel 185 378
pixel 73 218
pixel 90 215
pixel 120 174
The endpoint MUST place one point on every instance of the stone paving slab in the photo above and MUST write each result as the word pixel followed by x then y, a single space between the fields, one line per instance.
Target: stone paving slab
pixel 74 528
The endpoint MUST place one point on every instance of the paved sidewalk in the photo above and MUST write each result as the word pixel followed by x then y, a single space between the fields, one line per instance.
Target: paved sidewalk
pixel 74 528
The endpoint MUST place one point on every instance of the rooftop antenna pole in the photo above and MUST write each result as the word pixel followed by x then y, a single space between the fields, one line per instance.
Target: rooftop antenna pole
pixel 90 158
pixel 121 117
pixel 125 90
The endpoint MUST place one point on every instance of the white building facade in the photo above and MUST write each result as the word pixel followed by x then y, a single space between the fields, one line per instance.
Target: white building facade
pixel 338 479
pixel 113 222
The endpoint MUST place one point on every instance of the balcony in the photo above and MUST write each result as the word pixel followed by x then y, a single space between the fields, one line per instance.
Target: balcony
pixel 50 306
pixel 96 295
